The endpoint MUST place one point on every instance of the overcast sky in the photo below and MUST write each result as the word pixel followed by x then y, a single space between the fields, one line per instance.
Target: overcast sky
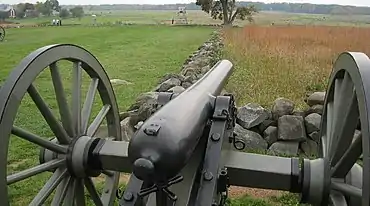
pixel 342 2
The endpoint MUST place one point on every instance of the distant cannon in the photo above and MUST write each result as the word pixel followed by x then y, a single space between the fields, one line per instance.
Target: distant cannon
pixel 186 152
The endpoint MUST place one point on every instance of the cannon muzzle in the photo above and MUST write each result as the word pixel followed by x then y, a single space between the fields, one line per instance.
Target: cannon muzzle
pixel 165 142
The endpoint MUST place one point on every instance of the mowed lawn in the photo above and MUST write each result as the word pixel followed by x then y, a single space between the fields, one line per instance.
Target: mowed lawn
pixel 140 55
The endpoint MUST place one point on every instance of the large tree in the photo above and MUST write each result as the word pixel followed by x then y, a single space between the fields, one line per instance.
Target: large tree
pixel 77 12
pixel 47 7
pixel 227 10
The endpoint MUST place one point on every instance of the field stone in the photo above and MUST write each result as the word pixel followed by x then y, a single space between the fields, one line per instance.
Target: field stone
pixel 253 141
pixel 171 75
pixel 317 108
pixel 316 98
pixel 145 111
pixel 312 122
pixel 205 69
pixel 291 128
pixel 190 78
pixel 120 82
pixel 177 89
pixel 315 136
pixel 190 71
pixel 299 113
pixel 282 106
pixel 168 84
pixel 251 115
pixel 266 123
pixel 309 147
pixel 148 97
pixel 127 130
pixel 281 148
pixel 123 115
pixel 186 85
pixel 271 134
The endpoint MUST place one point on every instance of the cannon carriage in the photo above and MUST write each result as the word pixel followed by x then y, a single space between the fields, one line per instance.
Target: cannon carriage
pixel 186 152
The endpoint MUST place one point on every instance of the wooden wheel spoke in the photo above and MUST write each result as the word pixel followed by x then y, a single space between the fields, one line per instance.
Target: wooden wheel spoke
pixel 86 111
pixel 346 189
pixel 348 159
pixel 59 132
pixel 337 199
pixel 61 191
pixel 34 170
pixel 93 128
pixel 76 97
pixel 80 192
pixel 343 134
pixel 92 191
pixel 38 140
pixel 49 187
pixel 64 110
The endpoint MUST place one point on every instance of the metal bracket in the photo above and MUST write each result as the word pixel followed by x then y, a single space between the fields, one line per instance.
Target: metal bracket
pixel 208 188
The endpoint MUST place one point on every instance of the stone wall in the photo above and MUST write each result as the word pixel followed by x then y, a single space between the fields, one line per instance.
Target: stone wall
pixel 280 130
pixel 194 67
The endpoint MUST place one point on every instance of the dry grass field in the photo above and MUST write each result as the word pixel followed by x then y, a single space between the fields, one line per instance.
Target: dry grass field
pixel 287 61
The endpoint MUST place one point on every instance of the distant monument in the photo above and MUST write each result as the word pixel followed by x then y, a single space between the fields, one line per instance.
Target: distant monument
pixel 94 19
pixel 182 15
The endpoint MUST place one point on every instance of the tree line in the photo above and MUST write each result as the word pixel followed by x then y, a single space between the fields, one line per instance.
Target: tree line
pixel 285 7
pixel 47 8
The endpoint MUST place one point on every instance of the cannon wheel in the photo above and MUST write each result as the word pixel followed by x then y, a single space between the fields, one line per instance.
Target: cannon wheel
pixel 337 177
pixel 2 33
pixel 73 125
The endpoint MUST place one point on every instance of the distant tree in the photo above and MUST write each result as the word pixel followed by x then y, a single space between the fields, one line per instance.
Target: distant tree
pixel 20 10
pixel 77 12
pixel 227 10
pixel 3 15
pixel 29 6
pixel 64 13
pixel 54 4
pixel 47 7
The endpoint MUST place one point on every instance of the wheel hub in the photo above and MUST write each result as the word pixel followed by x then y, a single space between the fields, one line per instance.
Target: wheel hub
pixel 315 182
pixel 78 161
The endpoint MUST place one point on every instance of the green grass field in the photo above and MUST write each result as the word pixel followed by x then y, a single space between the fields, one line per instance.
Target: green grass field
pixel 137 54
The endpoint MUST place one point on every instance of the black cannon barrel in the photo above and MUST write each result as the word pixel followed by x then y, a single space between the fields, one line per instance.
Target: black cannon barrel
pixel 165 142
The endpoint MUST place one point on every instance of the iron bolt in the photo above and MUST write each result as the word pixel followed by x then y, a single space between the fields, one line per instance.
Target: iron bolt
pixel 128 196
pixel 208 176
pixel 215 137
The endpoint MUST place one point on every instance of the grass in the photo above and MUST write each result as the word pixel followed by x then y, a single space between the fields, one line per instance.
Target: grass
pixel 286 199
pixel 137 54
pixel 286 61
pixel 200 17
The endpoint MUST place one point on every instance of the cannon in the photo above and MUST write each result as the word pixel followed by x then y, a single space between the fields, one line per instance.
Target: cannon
pixel 2 33
pixel 186 153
